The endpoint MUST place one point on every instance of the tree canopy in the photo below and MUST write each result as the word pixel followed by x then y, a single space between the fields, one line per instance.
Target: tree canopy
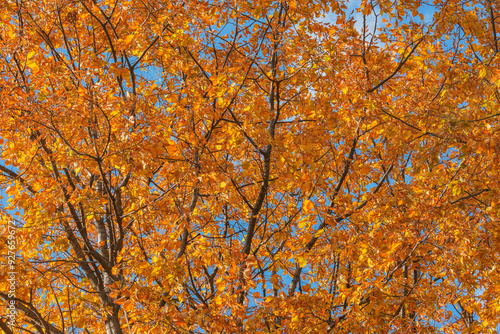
pixel 235 166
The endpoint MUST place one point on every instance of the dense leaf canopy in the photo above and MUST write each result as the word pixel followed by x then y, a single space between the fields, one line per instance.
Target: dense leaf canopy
pixel 234 166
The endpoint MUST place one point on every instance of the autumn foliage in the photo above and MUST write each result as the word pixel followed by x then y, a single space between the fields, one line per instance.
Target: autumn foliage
pixel 233 166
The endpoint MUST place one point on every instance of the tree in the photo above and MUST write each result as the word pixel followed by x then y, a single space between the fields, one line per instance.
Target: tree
pixel 250 166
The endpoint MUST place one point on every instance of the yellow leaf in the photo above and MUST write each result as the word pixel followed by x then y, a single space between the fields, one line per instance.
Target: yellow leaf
pixel 128 39
pixel 302 223
pixel 307 205
pixel 319 233
pixel 302 261
pixel 482 73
